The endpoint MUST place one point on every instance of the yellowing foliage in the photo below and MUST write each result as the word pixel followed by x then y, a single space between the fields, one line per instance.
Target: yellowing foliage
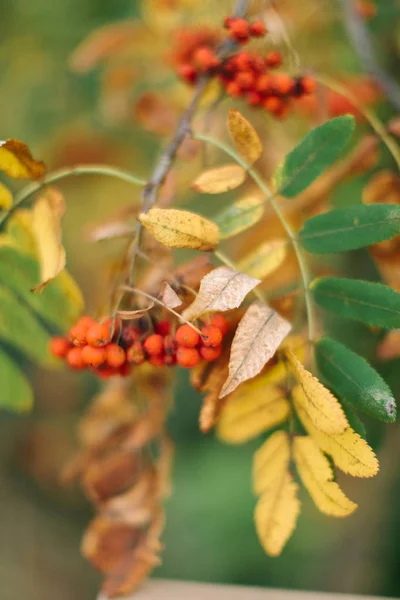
pixel 17 161
pixel 265 259
pixel 317 475
pixel 6 198
pixel 270 461
pixel 219 180
pixel 320 405
pixel 244 136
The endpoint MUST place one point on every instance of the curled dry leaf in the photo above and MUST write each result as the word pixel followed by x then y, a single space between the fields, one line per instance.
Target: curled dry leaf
pixel 219 180
pixel 348 450
pixel 169 297
pixel 256 340
pixel 180 229
pixel 244 136
pixel 47 213
pixel 322 407
pixel 130 315
pixel 317 475
pixel 270 461
pixel 17 161
pixel 6 198
pixel 265 259
pixel 222 289
pixel 110 475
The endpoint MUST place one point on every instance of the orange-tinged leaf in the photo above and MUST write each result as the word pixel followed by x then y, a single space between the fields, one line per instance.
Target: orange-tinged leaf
pixel 317 475
pixel 270 461
pixel 322 407
pixel 258 336
pixel 244 136
pixel 265 259
pixel 348 450
pixel 6 198
pixel 180 229
pixel 222 289
pixel 251 410
pixel 47 213
pixel 17 161
pixel 276 514
pixel 219 180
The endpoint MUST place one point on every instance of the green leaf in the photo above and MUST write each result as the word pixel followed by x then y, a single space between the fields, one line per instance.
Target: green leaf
pixel 20 329
pixel 353 379
pixel 354 420
pixel 371 303
pixel 351 228
pixel 318 151
pixel 240 216
pixel 15 392
pixel 60 303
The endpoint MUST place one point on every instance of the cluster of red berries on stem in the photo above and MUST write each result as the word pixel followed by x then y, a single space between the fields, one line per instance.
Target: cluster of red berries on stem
pixel 245 75
pixel 114 347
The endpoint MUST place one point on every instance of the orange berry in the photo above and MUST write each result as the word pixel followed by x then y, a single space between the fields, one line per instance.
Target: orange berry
pixel 242 61
pixel 59 346
pixel 245 80
pixel 187 336
pixel 163 328
pixel 115 355
pixel 86 321
pixel 254 98
pixel 98 334
pixel 107 372
pixel 210 354
pixel 93 357
pixel 170 344
pixel 233 89
pixel 228 22
pixel 130 334
pixel 273 59
pixel 257 29
pixel 187 357
pixel 74 358
pixel 157 360
pixel 170 359
pixel 308 85
pixel 220 322
pixel 154 344
pixel 239 30
pixel 135 354
pixel 77 335
pixel 212 336
pixel 273 104
pixel 205 58
pixel 187 72
pixel 282 84
pixel 264 84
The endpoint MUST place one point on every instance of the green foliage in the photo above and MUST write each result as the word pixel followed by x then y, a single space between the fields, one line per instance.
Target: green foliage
pixel 315 153
pixel 239 216
pixel 354 420
pixel 16 393
pixel 350 228
pixel 354 380
pixel 371 303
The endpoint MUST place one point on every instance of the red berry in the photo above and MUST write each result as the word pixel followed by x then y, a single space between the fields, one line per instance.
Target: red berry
pixel 210 354
pixel 77 335
pixel 154 344
pixel 242 61
pixel 59 346
pixel 106 372
pixel 116 355
pixel 157 360
pixel 257 29
pixel 93 357
pixel 187 357
pixel 135 354
pixel 98 334
pixel 220 322
pixel 240 30
pixel 170 359
pixel 170 344
pixel 233 89
pixel 264 84
pixel 228 22
pixel 187 72
pixel 205 58
pixel 211 336
pixel 273 104
pixel 130 334
pixel 74 358
pixel 308 85
pixel 245 80
pixel 187 336
pixel 273 59
pixel 86 321
pixel 125 370
pixel 282 84
pixel 254 98
pixel 163 328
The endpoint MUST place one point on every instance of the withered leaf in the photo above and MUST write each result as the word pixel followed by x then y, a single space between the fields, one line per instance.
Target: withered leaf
pixel 130 315
pixel 222 289
pixel 244 136
pixel 47 213
pixel 169 297
pixel 258 336
pixel 17 161
pixel 220 179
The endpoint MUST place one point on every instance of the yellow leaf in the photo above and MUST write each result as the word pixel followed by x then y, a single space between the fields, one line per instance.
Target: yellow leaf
pixel 276 514
pixel 17 161
pixel 180 229
pixel 265 259
pixel 257 337
pixel 270 461
pixel 219 180
pixel 220 290
pixel 251 410
pixel 6 198
pixel 46 225
pixel 19 227
pixel 322 407
pixel 349 451
pixel 317 475
pixel 244 136
pixel 240 215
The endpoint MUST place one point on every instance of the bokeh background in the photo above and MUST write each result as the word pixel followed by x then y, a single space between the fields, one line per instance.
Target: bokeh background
pixel 67 119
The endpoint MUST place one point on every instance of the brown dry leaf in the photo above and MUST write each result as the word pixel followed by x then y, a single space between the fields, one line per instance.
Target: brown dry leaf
pixel 258 336
pixel 251 410
pixel 130 315
pixel 180 229
pixel 244 136
pixel 169 297
pixel 211 380
pixel 270 461
pixel 47 213
pixel 320 404
pixel 137 505
pixel 110 475
pixel 221 290
pixel 109 231
pixel 219 180
pixel 6 198
pixel 17 161
pixel 265 259
pixel 155 114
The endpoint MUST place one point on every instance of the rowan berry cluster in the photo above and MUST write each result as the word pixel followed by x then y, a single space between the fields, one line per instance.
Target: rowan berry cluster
pixel 114 347
pixel 245 75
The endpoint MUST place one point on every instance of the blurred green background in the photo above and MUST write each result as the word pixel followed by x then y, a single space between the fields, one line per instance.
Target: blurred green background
pixel 210 534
